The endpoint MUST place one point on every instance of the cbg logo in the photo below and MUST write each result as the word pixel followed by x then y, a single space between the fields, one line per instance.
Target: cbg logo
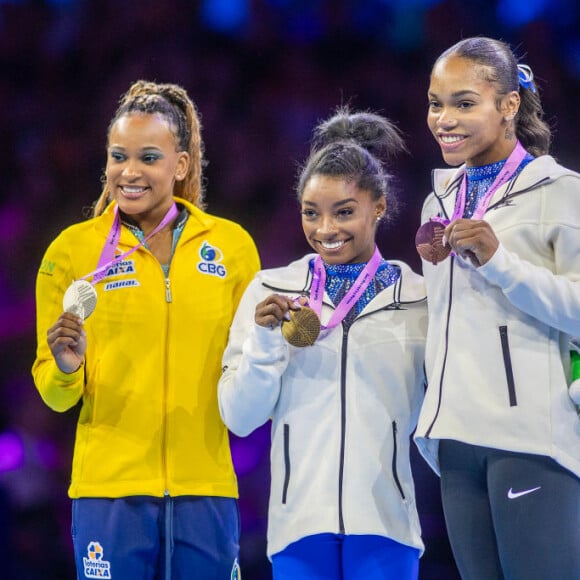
pixel 211 258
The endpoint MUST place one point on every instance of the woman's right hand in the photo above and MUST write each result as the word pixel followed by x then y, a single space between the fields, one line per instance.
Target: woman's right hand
pixel 274 309
pixel 67 341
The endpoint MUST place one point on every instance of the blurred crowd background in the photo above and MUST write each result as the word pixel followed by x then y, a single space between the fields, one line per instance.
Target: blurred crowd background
pixel 262 73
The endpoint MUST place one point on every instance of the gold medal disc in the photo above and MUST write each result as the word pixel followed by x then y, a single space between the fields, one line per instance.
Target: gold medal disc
pixel 303 327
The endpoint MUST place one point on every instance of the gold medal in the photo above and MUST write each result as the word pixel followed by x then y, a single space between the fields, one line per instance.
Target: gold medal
pixel 303 327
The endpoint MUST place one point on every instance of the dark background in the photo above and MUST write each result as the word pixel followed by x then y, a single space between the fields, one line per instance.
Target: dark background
pixel 262 73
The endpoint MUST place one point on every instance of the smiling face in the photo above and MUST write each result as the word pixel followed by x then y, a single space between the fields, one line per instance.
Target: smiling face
pixel 339 220
pixel 143 165
pixel 464 115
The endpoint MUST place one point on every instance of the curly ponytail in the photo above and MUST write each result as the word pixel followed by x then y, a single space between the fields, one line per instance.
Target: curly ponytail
pixel 173 103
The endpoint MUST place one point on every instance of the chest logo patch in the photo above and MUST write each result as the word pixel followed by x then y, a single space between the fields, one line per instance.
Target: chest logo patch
pixel 120 284
pixel 120 268
pixel 210 262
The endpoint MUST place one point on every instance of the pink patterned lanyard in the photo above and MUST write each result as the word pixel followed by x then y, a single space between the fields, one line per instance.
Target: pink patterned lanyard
pixel 510 167
pixel 350 298
pixel 107 260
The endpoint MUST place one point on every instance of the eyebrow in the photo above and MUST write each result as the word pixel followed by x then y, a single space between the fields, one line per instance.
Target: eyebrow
pixel 456 94
pixel 143 149
pixel 334 205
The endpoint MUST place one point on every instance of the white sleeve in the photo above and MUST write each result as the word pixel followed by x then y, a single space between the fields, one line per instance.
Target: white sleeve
pixel 253 363
pixel 553 297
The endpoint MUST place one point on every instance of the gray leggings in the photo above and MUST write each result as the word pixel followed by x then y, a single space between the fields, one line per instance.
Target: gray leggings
pixel 512 516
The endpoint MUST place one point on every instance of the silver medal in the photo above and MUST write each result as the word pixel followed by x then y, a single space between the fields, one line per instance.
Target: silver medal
pixel 80 299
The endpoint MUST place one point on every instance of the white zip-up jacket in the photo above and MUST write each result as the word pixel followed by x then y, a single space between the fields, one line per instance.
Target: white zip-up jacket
pixel 497 363
pixel 342 410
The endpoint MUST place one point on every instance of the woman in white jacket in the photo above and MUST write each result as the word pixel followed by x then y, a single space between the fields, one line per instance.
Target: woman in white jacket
pixel 498 422
pixel 342 501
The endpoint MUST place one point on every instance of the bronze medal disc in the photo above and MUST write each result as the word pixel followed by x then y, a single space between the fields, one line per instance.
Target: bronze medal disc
pixel 429 242
pixel 303 327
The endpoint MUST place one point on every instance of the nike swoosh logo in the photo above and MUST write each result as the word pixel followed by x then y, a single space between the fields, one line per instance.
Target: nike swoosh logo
pixel 514 494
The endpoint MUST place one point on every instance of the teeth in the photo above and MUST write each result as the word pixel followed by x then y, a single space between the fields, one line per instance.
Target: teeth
pixel 133 189
pixel 450 138
pixel 331 245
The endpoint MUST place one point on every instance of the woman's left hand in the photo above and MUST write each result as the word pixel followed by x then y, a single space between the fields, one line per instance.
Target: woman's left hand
pixel 473 240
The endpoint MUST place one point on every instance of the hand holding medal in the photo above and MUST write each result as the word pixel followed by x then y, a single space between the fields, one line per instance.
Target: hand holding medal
pixel 430 238
pixel 301 323
pixel 303 326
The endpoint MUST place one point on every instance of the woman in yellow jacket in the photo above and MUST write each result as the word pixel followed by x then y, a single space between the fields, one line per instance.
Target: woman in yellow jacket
pixel 153 487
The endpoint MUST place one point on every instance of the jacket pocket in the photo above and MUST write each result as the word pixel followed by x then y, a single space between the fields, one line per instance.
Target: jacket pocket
pixel 286 461
pixel 507 361
pixel 394 466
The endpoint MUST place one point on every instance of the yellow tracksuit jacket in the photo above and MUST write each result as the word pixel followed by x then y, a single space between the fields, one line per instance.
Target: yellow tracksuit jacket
pixel 149 422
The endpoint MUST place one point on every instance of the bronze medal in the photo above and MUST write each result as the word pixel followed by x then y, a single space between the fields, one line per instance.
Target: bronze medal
pixel 429 242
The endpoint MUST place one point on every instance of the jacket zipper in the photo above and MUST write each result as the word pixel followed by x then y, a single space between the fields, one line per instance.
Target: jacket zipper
pixel 168 300
pixel 394 305
pixel 450 300
pixel 286 462
pixel 342 428
pixel 507 361
pixel 395 473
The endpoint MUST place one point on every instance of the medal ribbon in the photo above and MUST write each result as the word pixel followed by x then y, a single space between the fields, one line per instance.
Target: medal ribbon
pixel 107 260
pixel 350 298
pixel 506 173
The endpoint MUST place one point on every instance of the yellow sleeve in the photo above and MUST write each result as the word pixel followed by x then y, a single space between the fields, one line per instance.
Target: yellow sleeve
pixel 60 391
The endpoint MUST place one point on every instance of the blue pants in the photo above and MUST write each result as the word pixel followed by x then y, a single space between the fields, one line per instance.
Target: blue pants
pixel 346 557
pixel 510 515
pixel 149 538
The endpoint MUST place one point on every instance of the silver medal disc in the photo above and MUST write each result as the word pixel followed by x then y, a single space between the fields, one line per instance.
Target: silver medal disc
pixel 80 299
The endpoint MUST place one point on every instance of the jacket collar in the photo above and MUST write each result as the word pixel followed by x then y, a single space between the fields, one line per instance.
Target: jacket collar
pixel 198 222
pixel 540 171
pixel 296 278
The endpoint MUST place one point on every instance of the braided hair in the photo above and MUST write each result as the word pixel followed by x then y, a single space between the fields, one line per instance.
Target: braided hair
pixel 173 103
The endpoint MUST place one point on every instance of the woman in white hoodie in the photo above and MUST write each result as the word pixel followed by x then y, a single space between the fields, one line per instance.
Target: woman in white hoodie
pixel 342 501
pixel 498 422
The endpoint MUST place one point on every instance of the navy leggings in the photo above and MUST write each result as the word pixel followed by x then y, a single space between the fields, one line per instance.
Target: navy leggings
pixel 510 515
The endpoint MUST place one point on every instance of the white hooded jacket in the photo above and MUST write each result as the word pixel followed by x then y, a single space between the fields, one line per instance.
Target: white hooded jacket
pixel 497 361
pixel 342 410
